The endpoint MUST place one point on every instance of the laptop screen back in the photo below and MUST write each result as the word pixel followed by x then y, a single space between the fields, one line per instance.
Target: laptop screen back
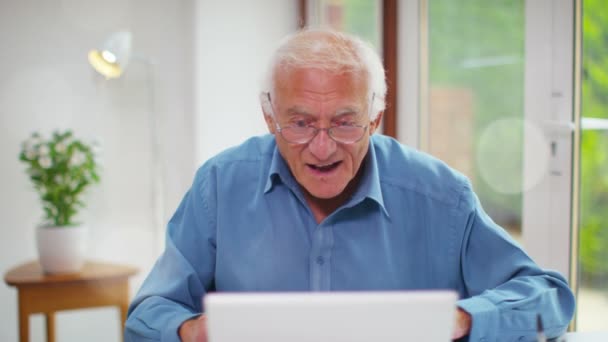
pixel 331 316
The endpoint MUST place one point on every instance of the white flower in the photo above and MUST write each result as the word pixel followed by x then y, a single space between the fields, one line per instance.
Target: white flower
pixel 30 153
pixel 60 147
pixel 45 162
pixel 30 147
pixel 33 141
pixel 77 159
pixel 43 150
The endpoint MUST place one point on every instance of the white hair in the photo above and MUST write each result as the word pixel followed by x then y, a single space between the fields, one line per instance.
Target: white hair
pixel 332 51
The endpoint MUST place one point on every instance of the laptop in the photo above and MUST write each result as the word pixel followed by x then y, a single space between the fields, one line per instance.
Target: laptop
pixel 331 316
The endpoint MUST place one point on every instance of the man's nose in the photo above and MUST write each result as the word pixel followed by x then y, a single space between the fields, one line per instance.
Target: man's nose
pixel 322 146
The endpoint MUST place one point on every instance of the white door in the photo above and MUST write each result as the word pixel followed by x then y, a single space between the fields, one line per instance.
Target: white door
pixel 487 86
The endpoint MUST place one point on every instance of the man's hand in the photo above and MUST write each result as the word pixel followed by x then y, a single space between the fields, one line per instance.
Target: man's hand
pixel 462 325
pixel 194 330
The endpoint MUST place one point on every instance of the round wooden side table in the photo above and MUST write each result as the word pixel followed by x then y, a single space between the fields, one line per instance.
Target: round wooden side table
pixel 97 284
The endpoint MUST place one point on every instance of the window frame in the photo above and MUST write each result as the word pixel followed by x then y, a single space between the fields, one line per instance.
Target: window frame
pixel 390 38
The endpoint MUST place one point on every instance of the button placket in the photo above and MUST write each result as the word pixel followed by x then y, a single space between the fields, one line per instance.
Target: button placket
pixel 320 255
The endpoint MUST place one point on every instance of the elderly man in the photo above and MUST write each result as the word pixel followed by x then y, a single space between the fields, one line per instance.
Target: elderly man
pixel 323 204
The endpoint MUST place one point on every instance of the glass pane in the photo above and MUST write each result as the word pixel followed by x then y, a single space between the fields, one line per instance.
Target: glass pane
pixel 476 93
pixel 360 17
pixel 593 234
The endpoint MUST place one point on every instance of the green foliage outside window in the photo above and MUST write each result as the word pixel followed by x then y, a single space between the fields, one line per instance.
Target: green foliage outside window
pixel 463 33
pixel 361 17
pixel 469 30
pixel 594 163
pixel 479 45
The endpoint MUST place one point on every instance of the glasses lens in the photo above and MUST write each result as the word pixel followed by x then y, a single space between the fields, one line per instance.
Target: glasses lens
pixel 347 134
pixel 341 134
pixel 298 135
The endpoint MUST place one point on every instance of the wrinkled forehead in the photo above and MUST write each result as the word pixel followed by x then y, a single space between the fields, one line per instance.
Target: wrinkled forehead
pixel 316 79
pixel 308 91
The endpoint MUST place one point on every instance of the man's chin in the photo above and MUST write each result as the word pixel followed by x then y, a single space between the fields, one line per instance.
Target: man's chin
pixel 324 194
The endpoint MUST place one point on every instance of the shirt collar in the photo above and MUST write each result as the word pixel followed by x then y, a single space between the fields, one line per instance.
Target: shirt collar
pixel 369 187
pixel 278 172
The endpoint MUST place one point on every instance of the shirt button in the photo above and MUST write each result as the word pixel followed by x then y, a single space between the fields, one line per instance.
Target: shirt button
pixel 320 260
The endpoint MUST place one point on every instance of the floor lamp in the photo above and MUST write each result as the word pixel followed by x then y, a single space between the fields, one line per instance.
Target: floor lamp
pixel 111 60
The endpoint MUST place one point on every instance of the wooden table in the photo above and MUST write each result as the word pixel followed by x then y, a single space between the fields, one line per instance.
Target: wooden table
pixel 97 284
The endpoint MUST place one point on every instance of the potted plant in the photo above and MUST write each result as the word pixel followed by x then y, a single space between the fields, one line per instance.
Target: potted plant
pixel 61 168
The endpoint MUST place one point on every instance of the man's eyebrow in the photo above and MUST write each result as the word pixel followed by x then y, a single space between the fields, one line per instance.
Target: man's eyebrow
pixel 299 110
pixel 347 110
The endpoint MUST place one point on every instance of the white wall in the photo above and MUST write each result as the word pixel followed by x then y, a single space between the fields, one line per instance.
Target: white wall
pixel 234 40
pixel 209 59
pixel 45 84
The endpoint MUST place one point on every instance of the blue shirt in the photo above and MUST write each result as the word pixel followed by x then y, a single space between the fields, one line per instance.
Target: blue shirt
pixel 413 223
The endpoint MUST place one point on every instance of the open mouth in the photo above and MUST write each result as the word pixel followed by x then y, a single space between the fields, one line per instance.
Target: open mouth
pixel 326 167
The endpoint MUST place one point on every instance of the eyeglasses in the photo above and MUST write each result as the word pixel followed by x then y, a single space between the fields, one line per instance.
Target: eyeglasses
pixel 345 134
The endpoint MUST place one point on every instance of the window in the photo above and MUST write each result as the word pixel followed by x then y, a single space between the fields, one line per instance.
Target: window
pixel 475 120
pixel 593 229
pixel 372 20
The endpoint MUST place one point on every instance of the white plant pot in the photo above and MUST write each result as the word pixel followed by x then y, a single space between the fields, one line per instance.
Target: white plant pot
pixel 61 249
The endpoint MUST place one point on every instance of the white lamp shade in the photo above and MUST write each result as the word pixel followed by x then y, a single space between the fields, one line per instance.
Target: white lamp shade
pixel 113 57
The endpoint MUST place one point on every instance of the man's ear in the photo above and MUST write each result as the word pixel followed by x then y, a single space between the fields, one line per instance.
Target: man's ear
pixel 270 123
pixel 267 111
pixel 374 124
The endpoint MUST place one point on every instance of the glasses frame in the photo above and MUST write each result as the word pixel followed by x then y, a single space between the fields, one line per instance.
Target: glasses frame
pixel 316 130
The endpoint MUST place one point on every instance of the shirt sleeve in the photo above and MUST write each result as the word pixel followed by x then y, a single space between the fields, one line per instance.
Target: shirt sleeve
pixel 506 289
pixel 173 291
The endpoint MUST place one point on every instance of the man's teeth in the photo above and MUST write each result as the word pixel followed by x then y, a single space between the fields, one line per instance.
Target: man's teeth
pixel 324 167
